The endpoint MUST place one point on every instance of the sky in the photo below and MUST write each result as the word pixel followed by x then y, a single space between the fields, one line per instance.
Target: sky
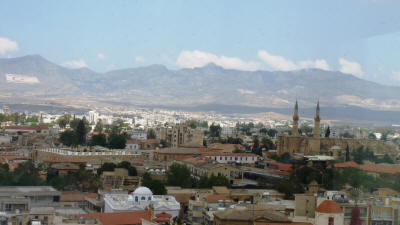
pixel 359 37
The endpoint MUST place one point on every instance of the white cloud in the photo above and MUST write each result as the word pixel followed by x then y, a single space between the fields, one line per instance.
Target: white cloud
pixel 245 91
pixel 75 64
pixel 139 59
pixel 350 67
pixel 192 59
pixel 101 56
pixel 7 45
pixel 277 62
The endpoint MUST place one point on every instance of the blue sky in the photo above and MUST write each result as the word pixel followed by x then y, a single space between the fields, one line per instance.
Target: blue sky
pixel 361 37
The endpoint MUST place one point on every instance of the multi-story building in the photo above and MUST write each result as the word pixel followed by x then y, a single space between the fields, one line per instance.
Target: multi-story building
pixel 24 204
pixel 242 158
pixel 139 200
pixel 181 135
pixel 120 179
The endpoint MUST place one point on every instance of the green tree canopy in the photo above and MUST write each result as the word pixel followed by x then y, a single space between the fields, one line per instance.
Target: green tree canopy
pixel 179 175
pixel 99 139
pixel 68 138
pixel 151 134
pixel 117 141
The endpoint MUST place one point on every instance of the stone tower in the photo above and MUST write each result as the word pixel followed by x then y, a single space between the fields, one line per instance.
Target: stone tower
pixel 295 128
pixel 317 120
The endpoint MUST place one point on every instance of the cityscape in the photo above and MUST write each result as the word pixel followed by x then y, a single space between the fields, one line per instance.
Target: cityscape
pixel 183 113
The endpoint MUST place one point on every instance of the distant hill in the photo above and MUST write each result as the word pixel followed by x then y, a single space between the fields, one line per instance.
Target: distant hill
pixel 37 78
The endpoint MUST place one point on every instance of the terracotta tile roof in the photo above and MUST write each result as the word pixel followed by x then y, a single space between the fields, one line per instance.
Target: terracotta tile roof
pixel 38 128
pixel 374 168
pixel 120 218
pixel 164 214
pixel 151 141
pixel 347 164
pixel 183 198
pixel 72 197
pixel 329 206
pixel 162 220
pixel 215 198
pixel 91 195
pixel 281 166
pixel 132 142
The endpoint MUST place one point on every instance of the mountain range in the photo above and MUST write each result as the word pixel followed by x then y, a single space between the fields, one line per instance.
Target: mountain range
pixel 33 78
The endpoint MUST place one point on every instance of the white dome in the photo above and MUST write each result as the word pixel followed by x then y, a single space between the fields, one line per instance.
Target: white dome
pixel 142 191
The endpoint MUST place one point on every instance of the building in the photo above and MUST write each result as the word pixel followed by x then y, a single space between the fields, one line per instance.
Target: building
pixel 120 179
pixel 169 154
pixel 141 199
pixel 94 156
pixel 181 135
pixel 315 145
pixel 330 213
pixel 242 158
pixel 206 168
pixel 250 217
pixel 27 129
pixel 120 218
pixel 24 204
pixel 138 134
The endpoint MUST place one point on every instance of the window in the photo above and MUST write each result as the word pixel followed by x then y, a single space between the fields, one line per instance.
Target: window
pixel 331 221
pixel 8 207
pixel 136 198
pixel 149 198
pixel 143 198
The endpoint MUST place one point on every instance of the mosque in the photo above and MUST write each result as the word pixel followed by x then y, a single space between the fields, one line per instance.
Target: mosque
pixel 295 144
pixel 141 199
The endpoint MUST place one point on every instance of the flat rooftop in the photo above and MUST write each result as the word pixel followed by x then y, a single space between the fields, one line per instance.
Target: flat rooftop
pixel 28 190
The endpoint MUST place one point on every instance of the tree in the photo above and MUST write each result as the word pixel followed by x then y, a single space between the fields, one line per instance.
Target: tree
pixel 328 132
pixel 358 155
pixel 355 216
pixel 347 153
pixel 267 143
pixel 99 139
pixel 215 130
pixel 163 143
pixel 117 141
pixel 127 165
pixel 151 134
pixel 68 138
pixel 214 181
pixel 372 136
pixel 106 167
pixel 99 126
pixel 347 135
pixel 272 132
pixel 179 175
pixel 81 132
pixel 156 186
pixel 63 120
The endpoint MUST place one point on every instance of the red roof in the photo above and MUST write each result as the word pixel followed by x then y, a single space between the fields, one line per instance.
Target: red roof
pixel 164 214
pixel 162 220
pixel 132 142
pixel 38 128
pixel 72 197
pixel 374 168
pixel 120 218
pixel 329 206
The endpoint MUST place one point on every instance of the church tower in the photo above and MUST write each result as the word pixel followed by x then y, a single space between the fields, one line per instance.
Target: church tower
pixel 295 128
pixel 317 120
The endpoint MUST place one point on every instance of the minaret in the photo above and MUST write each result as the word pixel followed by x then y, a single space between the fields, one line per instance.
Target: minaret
pixel 317 119
pixel 295 128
